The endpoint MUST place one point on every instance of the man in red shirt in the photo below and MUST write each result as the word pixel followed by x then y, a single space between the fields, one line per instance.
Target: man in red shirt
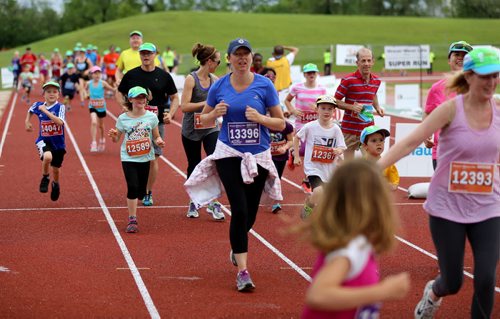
pixel 29 58
pixel 358 90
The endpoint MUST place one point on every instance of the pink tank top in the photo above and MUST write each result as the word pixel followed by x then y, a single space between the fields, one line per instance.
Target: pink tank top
pixel 465 187
pixel 369 275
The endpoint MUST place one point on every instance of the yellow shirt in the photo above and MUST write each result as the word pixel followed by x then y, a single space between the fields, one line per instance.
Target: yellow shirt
pixel 392 175
pixel 130 59
pixel 282 68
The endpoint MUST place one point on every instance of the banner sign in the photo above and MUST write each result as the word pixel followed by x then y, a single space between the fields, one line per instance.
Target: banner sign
pixel 346 54
pixel 399 57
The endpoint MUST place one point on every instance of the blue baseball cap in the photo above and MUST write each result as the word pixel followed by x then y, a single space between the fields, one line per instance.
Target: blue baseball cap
pixel 482 61
pixel 238 43
pixel 372 130
pixel 136 91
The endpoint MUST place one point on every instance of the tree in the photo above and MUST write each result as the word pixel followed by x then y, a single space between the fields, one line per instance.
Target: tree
pixel 476 8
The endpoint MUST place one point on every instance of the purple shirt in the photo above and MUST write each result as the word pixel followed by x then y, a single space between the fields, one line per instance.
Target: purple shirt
pixel 460 143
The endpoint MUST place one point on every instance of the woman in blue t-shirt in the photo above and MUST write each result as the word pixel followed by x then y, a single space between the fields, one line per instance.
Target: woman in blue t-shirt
pixel 243 99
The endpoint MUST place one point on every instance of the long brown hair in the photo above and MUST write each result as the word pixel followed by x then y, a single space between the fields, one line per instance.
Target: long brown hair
pixel 357 201
pixel 457 82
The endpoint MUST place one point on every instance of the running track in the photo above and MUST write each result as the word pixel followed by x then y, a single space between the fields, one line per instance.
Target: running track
pixel 72 259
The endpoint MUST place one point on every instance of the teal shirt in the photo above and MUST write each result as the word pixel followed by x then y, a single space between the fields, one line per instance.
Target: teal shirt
pixel 138 137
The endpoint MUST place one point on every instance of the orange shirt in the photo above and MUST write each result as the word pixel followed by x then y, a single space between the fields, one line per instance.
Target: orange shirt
pixel 110 62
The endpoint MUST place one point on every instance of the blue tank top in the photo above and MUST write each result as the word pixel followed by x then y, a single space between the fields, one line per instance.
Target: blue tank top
pixel 96 94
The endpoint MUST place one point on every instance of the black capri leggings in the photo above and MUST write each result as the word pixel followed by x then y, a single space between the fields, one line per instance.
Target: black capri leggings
pixel 484 238
pixel 193 149
pixel 280 167
pixel 136 175
pixel 243 198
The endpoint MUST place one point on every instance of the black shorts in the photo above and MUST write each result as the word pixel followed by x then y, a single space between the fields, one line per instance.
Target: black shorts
pixel 99 114
pixel 57 155
pixel 69 93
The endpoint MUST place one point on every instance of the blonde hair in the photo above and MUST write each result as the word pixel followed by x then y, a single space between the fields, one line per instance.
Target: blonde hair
pixel 457 82
pixel 356 201
pixel 203 53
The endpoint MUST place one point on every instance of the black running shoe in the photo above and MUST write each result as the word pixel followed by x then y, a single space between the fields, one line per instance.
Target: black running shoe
pixel 54 194
pixel 44 184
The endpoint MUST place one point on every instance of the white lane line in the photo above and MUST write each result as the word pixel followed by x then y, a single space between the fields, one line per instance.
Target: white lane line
pixel 7 123
pixel 153 312
pixel 159 207
pixel 44 209
pixel 254 233
pixel 297 268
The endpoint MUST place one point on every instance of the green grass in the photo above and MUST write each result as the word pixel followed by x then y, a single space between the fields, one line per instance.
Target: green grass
pixel 311 33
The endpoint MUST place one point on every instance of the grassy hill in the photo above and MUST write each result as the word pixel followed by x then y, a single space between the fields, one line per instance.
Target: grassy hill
pixel 311 33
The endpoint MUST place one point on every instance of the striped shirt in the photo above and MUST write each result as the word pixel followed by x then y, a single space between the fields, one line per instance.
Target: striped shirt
pixel 352 89
pixel 305 99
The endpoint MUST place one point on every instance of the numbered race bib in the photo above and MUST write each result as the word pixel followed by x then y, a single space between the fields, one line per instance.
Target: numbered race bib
pixel 97 103
pixel 244 133
pixel 368 312
pixel 49 128
pixel 322 154
pixel 111 66
pixel 138 147
pixel 68 85
pixel 275 146
pixel 472 178
pixel 307 116
pixel 197 122
pixel 152 108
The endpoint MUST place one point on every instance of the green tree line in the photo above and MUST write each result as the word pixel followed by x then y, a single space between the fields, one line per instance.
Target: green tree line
pixel 29 21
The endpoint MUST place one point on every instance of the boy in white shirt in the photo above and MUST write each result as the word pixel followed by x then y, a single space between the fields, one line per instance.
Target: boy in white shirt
pixel 324 148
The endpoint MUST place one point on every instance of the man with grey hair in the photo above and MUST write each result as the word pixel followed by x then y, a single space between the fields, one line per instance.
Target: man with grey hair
pixel 357 95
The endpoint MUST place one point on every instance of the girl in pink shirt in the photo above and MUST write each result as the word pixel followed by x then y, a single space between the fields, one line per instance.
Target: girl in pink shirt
pixel 354 221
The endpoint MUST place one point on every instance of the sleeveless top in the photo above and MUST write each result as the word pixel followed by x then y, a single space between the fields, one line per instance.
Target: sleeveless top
pixel 363 272
pixel 464 147
pixel 96 95
pixel 199 94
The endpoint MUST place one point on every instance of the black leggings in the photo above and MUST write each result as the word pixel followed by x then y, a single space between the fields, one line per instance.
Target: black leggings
pixel 193 149
pixel 484 238
pixel 280 167
pixel 243 198
pixel 136 175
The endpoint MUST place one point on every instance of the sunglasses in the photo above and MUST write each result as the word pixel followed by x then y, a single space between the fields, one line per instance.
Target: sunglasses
pixel 218 61
pixel 461 47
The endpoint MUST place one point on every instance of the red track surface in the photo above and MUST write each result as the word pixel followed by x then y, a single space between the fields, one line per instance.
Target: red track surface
pixel 63 259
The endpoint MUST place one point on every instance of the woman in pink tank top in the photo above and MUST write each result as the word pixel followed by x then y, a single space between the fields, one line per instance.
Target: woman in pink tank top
pixel 464 194
pixel 351 225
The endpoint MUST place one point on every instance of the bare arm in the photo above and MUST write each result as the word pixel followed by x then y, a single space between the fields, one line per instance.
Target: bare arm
pixel 174 105
pixel 274 122
pixel 356 107
pixel 290 107
pixel 326 292
pixel 187 93
pixel 377 107
pixel 294 50
pixel 114 134
pixel 439 118
pixel 27 122
pixel 54 118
